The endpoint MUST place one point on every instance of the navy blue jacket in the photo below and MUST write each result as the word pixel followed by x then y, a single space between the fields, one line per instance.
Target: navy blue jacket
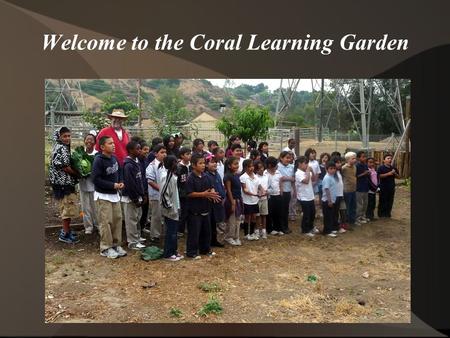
pixel 362 183
pixel 132 178
pixel 105 172
pixel 143 164
pixel 218 209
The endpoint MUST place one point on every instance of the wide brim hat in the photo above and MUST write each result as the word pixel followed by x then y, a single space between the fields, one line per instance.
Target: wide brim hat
pixel 118 113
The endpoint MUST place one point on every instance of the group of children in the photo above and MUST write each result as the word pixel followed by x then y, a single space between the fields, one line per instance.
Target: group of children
pixel 209 195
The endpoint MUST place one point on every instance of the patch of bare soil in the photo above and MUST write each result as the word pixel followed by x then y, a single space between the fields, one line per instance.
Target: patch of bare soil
pixel 363 276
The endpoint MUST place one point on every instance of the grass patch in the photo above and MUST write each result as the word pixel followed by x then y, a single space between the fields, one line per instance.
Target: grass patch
pixel 175 312
pixel 212 306
pixel 350 309
pixel 209 287
pixel 58 260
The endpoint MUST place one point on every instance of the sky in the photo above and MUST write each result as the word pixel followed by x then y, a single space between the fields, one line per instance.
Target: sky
pixel 305 84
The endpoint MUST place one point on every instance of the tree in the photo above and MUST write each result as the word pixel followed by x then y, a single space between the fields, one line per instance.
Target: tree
pixel 114 101
pixel 169 110
pixel 250 123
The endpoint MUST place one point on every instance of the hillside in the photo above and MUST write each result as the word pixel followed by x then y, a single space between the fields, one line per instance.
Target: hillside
pixel 200 95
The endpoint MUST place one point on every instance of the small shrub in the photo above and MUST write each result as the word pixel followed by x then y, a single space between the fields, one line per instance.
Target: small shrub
pixel 209 287
pixel 175 312
pixel 212 306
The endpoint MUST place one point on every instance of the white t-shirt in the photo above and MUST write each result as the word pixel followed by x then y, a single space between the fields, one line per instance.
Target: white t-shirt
pixel 340 185
pixel 291 150
pixel 221 169
pixel 264 182
pixel 113 198
pixel 241 161
pixel 119 134
pixel 273 183
pixel 251 185
pixel 305 191
pixel 314 164
pixel 154 173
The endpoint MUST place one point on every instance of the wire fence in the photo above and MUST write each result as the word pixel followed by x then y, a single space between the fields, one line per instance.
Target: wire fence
pixel 277 138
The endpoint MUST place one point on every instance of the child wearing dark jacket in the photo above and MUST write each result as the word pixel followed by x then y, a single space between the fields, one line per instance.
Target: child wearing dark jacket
pixel 218 226
pixel 107 182
pixel 133 195
pixel 183 171
pixel 63 179
pixel 170 208
pixel 200 194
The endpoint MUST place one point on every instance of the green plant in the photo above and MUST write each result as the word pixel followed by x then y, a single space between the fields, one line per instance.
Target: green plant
pixel 212 306
pixel 175 312
pixel 312 278
pixel 250 123
pixel 408 183
pixel 169 111
pixel 209 287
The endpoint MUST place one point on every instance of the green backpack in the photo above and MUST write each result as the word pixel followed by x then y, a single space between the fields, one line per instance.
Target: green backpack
pixel 151 253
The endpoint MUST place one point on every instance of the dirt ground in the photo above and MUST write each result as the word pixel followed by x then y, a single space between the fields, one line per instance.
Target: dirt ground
pixel 362 276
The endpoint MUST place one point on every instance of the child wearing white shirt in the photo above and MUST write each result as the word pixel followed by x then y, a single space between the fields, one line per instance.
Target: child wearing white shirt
pixel 261 219
pixel 273 226
pixel 250 197
pixel 305 195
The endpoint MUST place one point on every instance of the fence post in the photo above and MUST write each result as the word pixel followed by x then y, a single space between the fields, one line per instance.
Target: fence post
pixel 297 140
pixel 348 135
pixel 335 140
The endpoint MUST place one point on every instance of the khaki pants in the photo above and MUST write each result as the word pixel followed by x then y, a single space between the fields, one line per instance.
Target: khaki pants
pixel 362 199
pixel 132 215
pixel 156 219
pixel 233 227
pixel 221 233
pixel 68 206
pixel 88 209
pixel 109 217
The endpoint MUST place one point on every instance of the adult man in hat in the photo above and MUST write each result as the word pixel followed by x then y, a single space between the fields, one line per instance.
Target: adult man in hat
pixel 117 133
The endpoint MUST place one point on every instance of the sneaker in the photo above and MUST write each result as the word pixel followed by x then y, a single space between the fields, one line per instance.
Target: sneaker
pixel 88 231
pixel 110 253
pixel 334 232
pixel 331 235
pixel 280 233
pixel 257 233
pixel 255 236
pixel 274 232
pixel 69 238
pixel 357 223
pixel 342 230
pixel 231 241
pixel 366 219
pixel 146 230
pixel 180 234
pixel 136 246
pixel 238 242
pixel 263 234
pixel 345 226
pixel 197 257
pixel 315 230
pixel 142 239
pixel 211 254
pixel 362 220
pixel 173 258
pixel 180 256
pixel 120 251
pixel 309 234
